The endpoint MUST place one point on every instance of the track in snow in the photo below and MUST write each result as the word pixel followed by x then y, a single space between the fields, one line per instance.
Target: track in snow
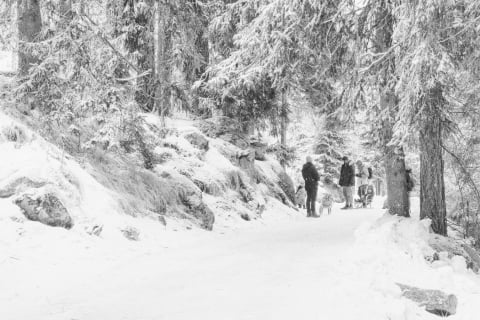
pixel 283 271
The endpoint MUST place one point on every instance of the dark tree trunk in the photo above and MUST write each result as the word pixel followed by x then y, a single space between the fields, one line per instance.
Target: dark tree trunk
pixel 283 120
pixel 29 23
pixel 432 186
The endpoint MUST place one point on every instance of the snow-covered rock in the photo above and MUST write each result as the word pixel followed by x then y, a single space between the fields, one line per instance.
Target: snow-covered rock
pixel 46 209
pixel 198 140
pixel 434 301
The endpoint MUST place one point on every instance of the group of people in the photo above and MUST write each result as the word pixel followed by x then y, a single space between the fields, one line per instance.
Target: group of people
pixel 348 173
pixel 364 175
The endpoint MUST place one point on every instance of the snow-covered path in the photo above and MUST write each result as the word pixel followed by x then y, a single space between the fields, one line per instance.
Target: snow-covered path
pixel 342 266
pixel 283 271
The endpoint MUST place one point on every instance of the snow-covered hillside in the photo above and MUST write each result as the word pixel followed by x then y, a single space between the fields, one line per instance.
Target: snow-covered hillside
pixel 196 181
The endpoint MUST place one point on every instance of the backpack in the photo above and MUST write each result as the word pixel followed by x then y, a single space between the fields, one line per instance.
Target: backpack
pixel 370 173
pixel 409 180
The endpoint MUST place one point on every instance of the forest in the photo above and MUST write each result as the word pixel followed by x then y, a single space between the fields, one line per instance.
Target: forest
pixel 122 117
pixel 410 68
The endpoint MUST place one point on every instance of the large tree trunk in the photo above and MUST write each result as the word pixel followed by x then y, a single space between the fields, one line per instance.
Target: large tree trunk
pixel 398 203
pixel 432 186
pixel 29 23
pixel 397 195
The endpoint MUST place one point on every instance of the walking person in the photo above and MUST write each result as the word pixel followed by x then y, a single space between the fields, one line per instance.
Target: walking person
pixel 362 181
pixel 311 177
pixel 347 182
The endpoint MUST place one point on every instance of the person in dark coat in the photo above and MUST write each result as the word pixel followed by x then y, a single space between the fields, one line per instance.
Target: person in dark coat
pixel 347 182
pixel 311 177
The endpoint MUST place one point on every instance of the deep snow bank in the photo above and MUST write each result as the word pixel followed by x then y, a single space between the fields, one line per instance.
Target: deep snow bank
pixel 396 250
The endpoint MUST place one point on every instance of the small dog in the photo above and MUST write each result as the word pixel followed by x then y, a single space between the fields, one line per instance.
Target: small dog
pixel 326 202
pixel 301 197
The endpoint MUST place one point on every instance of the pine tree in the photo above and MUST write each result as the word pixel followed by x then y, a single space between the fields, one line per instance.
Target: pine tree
pixel 436 37
pixel 373 73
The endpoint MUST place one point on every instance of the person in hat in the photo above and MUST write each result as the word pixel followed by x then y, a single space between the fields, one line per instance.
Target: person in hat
pixel 311 177
pixel 347 181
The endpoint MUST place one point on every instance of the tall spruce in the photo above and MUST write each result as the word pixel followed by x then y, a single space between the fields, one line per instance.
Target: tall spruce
pixel 436 38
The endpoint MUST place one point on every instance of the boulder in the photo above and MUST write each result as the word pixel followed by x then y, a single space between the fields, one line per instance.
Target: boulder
pixel 260 148
pixel 131 233
pixel 46 208
pixel 198 209
pixel 246 159
pixel 434 301
pixel 474 258
pixel 287 186
pixel 245 216
pixel 246 195
pixel 197 140
pixel 95 230
pixel 455 247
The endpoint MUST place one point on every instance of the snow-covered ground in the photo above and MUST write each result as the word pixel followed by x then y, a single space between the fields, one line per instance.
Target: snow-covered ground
pixel 342 266
pixel 7 61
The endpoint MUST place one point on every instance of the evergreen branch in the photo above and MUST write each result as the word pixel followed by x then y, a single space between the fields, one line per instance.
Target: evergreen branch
pixel 144 74
pixel 467 174
pixel 108 43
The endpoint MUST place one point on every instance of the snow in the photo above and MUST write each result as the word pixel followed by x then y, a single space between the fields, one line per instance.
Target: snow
pixel 341 266
pixel 88 202
pixel 7 61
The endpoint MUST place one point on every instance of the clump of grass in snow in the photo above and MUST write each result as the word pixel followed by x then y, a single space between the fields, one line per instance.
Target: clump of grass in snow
pixel 141 191
pixel 14 133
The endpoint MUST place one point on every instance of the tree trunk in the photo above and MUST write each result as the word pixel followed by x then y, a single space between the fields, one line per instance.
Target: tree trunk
pixel 397 195
pixel 398 203
pixel 163 56
pixel 284 119
pixel 432 186
pixel 283 123
pixel 29 24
